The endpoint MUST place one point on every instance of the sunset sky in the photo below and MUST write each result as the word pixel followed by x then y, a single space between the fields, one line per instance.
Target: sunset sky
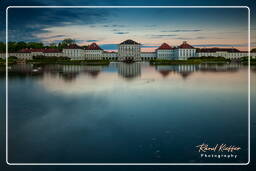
pixel 211 27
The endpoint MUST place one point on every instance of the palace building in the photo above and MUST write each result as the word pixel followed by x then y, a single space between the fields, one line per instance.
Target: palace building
pixel 130 50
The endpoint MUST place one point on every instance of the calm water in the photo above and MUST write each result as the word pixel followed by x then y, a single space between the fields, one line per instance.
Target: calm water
pixel 125 112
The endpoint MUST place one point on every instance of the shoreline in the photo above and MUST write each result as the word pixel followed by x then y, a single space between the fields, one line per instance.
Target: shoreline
pixel 191 61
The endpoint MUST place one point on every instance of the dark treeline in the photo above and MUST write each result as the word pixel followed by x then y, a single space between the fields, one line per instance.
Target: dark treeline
pixel 16 46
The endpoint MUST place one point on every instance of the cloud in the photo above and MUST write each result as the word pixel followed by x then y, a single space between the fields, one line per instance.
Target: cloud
pixel 92 40
pixel 220 45
pixel 163 35
pixel 193 30
pixel 30 22
pixel 117 25
pixel 114 25
pixel 121 32
pixel 153 25
pixel 55 36
pixel 191 38
pixel 149 46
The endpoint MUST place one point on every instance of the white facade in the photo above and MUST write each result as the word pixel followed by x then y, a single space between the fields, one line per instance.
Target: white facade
pixel 109 55
pixel 165 54
pixel 129 50
pixel 225 54
pixel 73 53
pixel 93 54
pixel 148 55
pixel 56 54
pixel 30 55
pixel 18 55
pixel 184 54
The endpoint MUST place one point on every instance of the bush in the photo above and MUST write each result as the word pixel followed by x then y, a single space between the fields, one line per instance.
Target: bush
pixel 12 58
pixel 51 58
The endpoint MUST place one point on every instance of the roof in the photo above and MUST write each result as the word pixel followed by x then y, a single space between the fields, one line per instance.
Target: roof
pixel 73 46
pixel 93 46
pixel 26 50
pixel 215 49
pixel 185 45
pixel 51 50
pixel 130 42
pixel 165 46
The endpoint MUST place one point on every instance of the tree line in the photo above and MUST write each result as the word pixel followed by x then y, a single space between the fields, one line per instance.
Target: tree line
pixel 16 46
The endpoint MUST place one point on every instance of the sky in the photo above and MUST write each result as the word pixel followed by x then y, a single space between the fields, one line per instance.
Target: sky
pixel 200 27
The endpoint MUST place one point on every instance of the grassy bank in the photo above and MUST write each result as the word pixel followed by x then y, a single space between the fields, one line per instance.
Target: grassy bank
pixel 171 62
pixel 194 60
pixel 244 61
pixel 2 61
pixel 11 61
pixel 68 61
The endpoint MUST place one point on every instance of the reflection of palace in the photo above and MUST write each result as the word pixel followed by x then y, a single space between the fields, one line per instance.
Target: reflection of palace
pixel 131 50
pixel 186 70
pixel 125 70
pixel 129 70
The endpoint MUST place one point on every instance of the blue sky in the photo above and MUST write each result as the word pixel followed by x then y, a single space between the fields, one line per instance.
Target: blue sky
pixel 151 27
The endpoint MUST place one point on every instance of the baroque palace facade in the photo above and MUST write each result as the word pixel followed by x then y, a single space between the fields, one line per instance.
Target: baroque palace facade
pixel 131 50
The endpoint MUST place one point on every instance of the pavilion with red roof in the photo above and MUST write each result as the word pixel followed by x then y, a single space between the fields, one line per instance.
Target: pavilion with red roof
pixel 164 46
pixel 185 45
pixel 93 46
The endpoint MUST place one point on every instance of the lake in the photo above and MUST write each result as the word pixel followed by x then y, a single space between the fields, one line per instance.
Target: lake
pixel 126 113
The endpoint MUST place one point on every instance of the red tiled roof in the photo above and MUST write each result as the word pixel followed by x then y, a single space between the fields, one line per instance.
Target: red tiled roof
pixel 215 49
pixel 26 50
pixel 51 51
pixel 30 50
pixel 73 46
pixel 185 45
pixel 164 46
pixel 93 46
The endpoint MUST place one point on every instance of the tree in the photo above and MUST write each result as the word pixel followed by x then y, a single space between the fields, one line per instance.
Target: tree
pixel 52 46
pixel 2 47
pixel 21 45
pixel 66 42
pixel 12 46
pixel 84 46
pixel 35 45
pixel 253 50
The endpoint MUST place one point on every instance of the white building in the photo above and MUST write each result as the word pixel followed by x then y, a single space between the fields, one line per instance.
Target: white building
pixel 147 55
pixel 165 51
pixel 93 52
pixel 184 51
pixel 74 52
pixel 109 55
pixel 129 50
pixel 229 53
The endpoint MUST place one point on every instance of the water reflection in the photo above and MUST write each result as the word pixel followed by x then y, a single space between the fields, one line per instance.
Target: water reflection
pixel 129 70
pixel 125 112
pixel 124 70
